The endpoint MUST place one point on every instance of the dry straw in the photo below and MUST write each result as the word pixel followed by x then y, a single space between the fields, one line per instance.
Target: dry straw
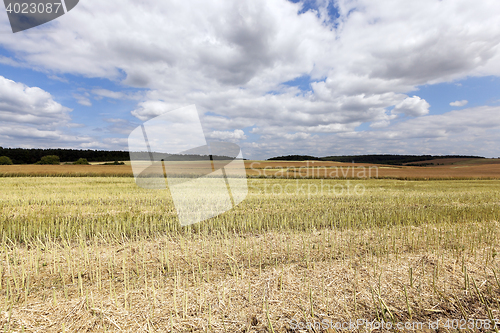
pixel 102 255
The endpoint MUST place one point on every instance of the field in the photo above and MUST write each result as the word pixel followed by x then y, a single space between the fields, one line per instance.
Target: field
pixel 99 254
pixel 451 169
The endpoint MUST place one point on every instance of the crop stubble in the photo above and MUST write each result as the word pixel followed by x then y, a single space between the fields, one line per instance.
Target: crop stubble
pixel 101 254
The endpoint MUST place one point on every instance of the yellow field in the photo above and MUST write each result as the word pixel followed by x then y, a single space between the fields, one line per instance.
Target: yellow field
pixel 99 254
pixel 66 170
pixel 461 169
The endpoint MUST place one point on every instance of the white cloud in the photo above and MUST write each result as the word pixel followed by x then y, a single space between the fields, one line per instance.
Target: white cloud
pixel 459 103
pixel 236 135
pixel 82 100
pixel 380 124
pixel 9 61
pixel 297 136
pixel 30 117
pixel 22 104
pixel 152 108
pixel 412 106
pixel 115 94
pixel 227 57
pixel 26 136
pixel 57 78
pixel 108 93
pixel 472 131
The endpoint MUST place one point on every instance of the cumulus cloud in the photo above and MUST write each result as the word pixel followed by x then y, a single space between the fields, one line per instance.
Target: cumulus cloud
pixel 20 131
pixel 459 103
pixel 297 136
pixel 14 134
pixel 235 135
pixel 22 104
pixel 30 117
pixel 412 106
pixel 454 132
pixel 153 108
pixel 231 59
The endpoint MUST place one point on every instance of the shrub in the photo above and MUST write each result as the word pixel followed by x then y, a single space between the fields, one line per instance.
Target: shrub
pixel 4 160
pixel 114 163
pixel 82 161
pixel 49 159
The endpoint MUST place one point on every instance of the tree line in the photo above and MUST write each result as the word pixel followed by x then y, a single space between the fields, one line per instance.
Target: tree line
pixel 372 159
pixel 37 156
pixel 34 155
pixel 31 156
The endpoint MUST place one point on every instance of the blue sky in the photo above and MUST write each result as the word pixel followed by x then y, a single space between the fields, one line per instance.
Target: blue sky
pixel 477 91
pixel 316 77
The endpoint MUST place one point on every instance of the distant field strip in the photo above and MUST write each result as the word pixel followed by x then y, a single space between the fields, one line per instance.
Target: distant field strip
pixel 490 169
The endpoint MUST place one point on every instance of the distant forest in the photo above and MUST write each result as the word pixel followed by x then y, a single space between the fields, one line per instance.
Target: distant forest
pixel 375 159
pixel 31 156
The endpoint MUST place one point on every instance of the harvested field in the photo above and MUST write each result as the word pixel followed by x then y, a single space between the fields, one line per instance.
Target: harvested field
pixel 65 170
pixel 489 169
pixel 447 161
pixel 471 169
pixel 102 255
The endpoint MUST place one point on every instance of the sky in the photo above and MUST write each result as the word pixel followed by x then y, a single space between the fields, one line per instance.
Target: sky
pixel 313 77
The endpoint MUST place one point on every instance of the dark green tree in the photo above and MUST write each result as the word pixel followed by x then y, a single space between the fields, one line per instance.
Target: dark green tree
pixel 82 161
pixel 4 160
pixel 49 159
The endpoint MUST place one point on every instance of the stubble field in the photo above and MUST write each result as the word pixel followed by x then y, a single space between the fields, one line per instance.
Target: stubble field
pixel 99 254
pixel 450 169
